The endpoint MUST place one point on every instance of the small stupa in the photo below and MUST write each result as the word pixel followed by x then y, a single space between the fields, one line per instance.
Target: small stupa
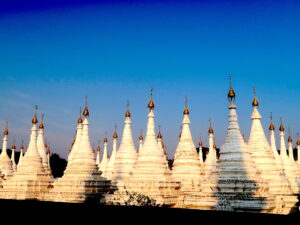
pixel 6 165
pixel 200 145
pixel 141 138
pixel 82 181
pixel 105 158
pixel 13 156
pixel 30 181
pixel 112 159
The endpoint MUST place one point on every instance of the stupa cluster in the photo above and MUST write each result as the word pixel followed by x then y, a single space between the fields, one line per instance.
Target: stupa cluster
pixel 247 176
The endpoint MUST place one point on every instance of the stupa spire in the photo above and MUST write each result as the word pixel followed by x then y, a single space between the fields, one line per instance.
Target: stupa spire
pixel 186 165
pixel 105 159
pixel 77 139
pixel 98 161
pixel 159 139
pixel 210 164
pixel 111 163
pixel 6 164
pixel 126 155
pixel 13 149
pixel 200 144
pixel 41 146
pixel 141 138
pixel 21 152
pixel 290 147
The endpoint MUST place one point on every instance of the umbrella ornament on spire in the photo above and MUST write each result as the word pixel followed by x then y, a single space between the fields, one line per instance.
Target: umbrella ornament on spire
pixel 86 110
pixel 231 93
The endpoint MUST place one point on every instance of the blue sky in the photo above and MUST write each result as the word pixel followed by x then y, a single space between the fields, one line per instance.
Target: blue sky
pixel 55 53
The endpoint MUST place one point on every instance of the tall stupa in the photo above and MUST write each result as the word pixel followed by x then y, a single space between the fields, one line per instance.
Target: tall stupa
pixel 112 159
pixel 82 181
pixel 186 166
pixel 30 181
pixel 266 163
pixel 151 175
pixel 41 146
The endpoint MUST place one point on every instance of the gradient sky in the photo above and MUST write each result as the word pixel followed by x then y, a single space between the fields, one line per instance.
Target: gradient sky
pixel 54 53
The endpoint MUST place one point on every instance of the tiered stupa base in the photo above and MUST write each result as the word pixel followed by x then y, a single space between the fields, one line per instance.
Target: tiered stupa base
pixel 141 191
pixel 30 187
pixel 78 188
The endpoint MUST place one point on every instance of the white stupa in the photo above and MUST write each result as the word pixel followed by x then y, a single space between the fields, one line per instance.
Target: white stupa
pixel 13 156
pixel 141 138
pixel 151 175
pixel 77 140
pixel 200 144
pixel 6 165
pixel 210 164
pixel 186 166
pixel 288 166
pixel 82 181
pixel 98 157
pixel 105 158
pixel 112 159
pixel 21 154
pixel 41 147
pixel 30 181
pixel 266 164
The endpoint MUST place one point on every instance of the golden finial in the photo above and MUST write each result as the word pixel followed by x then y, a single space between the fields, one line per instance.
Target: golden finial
pixel 255 101
pixel 200 142
pixel 298 141
pixel 159 133
pixel 105 138
pixel 290 140
pixel 127 114
pixel 151 102
pixel 281 128
pixel 14 144
pixel 98 147
pixel 186 110
pixel 80 118
pixel 115 135
pixel 210 130
pixel 141 135
pixel 86 110
pixel 231 93
pixel 271 127
pixel 6 129
pixel 22 145
pixel 41 126
pixel 35 120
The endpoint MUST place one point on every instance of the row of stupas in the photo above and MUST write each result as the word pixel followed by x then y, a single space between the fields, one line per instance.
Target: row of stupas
pixel 247 176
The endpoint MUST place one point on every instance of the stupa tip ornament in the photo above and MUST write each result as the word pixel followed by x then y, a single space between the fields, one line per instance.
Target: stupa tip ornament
pixel 281 128
pixel 34 119
pixel 86 110
pixel 271 127
pixel 141 136
pixel 186 110
pixel 41 126
pixel 231 93
pixel 115 135
pixel 290 140
pixel 159 135
pixel 105 140
pixel 215 146
pixel 200 142
pixel 80 118
pixel 255 102
pixel 22 145
pixel 210 130
pixel 151 102
pixel 13 145
pixel 127 114
pixel 6 129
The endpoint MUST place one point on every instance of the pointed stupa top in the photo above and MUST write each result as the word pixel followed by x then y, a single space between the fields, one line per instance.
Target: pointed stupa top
pixel 98 161
pixel 186 164
pixel 126 155
pixel 80 117
pixel 281 128
pixel 112 159
pixel 13 146
pixel 200 142
pixel 86 112
pixel 159 135
pixel 151 102
pixel 41 126
pixel 231 93
pixel 151 162
pixel 298 140
pixel 5 132
pixel 210 164
pixel 186 109
pixel 210 130
pixel 141 135
pixel 271 127
pixel 255 112
pixel 32 162
pixel 255 100
pixel 115 135
pixel 290 140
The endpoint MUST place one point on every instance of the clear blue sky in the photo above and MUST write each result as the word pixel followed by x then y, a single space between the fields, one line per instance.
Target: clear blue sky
pixel 55 53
